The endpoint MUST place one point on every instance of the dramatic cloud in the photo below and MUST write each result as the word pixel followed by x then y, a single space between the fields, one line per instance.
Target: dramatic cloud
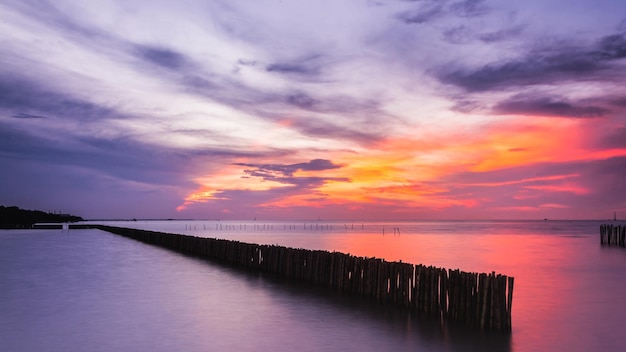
pixel 288 170
pixel 284 174
pixel 340 109
pixel 545 66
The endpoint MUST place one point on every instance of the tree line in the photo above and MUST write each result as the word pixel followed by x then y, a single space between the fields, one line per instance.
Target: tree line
pixel 15 218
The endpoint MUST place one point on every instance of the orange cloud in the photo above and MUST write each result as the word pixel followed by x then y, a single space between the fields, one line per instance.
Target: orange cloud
pixel 408 171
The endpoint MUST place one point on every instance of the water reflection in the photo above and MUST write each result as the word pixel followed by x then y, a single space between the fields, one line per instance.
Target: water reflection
pixel 568 291
pixel 392 328
pixel 90 290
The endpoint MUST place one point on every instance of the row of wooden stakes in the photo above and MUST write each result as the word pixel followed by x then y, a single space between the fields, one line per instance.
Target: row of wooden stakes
pixel 613 235
pixel 478 300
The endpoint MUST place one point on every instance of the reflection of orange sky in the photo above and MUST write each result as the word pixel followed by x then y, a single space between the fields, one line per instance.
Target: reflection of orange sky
pixel 507 254
pixel 407 170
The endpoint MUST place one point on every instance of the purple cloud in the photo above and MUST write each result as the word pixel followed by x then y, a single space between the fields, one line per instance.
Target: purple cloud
pixel 543 66
pixel 265 170
pixel 28 98
pixel 423 14
pixel 470 8
pixel 163 57
pixel 535 105
pixel 301 100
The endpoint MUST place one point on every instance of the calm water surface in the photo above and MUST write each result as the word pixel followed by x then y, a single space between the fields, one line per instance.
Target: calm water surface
pixel 90 290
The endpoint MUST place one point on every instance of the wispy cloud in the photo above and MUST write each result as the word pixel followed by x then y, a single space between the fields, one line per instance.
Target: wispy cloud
pixel 557 63
pixel 29 98
pixel 426 12
pixel 470 8
pixel 27 116
pixel 288 170
pixel 163 57
pixel 539 105
pixel 453 108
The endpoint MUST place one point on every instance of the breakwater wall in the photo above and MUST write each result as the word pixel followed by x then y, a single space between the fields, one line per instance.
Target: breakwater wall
pixel 477 300
pixel 613 235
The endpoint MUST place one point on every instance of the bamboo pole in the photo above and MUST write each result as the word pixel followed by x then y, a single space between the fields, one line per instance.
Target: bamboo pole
pixel 479 300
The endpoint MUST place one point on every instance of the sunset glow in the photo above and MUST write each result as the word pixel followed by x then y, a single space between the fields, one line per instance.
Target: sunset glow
pixel 396 110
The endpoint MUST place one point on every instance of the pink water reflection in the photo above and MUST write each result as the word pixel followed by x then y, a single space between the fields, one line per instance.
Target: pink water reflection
pixel 561 294
pixel 569 291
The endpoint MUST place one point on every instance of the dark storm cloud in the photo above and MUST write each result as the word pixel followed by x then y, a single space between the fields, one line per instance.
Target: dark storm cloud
pixel 544 66
pixel 536 105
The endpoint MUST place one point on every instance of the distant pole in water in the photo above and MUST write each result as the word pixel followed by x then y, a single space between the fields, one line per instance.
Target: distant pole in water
pixel 614 216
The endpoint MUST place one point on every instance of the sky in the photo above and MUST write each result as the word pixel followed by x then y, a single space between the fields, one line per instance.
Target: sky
pixel 329 109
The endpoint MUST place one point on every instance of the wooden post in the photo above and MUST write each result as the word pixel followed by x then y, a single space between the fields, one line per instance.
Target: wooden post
pixel 475 299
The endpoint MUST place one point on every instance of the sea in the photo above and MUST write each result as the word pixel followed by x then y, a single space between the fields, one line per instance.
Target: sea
pixel 89 290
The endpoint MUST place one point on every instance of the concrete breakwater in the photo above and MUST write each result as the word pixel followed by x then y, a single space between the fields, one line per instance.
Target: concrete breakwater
pixel 478 300
pixel 613 235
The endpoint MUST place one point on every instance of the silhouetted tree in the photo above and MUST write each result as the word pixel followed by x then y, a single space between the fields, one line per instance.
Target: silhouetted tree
pixel 16 218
